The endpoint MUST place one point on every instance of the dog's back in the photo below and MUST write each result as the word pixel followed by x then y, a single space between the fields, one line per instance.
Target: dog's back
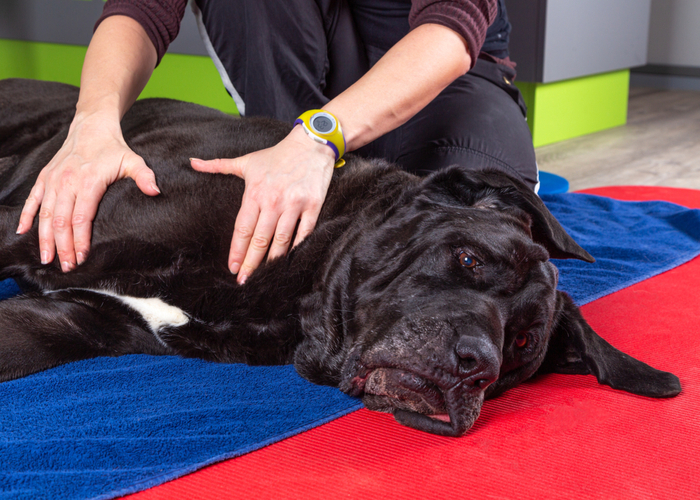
pixel 170 248
pixel 34 123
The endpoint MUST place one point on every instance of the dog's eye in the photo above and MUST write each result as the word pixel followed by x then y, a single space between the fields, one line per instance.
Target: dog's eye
pixel 522 340
pixel 467 260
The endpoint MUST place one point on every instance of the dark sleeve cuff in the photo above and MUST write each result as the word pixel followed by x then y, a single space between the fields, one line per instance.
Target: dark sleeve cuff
pixel 469 18
pixel 160 19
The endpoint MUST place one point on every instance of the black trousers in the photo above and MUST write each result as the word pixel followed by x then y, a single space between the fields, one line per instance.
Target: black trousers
pixel 283 58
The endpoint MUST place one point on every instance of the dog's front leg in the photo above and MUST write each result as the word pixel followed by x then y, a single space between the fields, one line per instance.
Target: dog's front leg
pixel 43 330
pixel 237 340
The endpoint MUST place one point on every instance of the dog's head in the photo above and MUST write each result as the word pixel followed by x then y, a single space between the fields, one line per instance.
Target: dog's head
pixel 449 297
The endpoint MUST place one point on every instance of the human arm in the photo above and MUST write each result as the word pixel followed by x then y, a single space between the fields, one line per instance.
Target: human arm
pixel 289 181
pixel 409 76
pixel 118 63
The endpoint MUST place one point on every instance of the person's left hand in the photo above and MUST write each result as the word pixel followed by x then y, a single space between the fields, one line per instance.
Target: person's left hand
pixel 284 184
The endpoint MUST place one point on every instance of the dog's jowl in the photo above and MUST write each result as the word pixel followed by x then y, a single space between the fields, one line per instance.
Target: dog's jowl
pixel 422 296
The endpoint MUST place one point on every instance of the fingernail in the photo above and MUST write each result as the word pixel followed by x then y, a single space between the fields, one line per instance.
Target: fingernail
pixel 153 185
pixel 242 279
pixel 19 228
pixel 66 266
pixel 80 257
pixel 235 267
pixel 44 257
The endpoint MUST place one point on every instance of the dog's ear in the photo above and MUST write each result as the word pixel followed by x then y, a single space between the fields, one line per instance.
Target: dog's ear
pixel 494 189
pixel 574 348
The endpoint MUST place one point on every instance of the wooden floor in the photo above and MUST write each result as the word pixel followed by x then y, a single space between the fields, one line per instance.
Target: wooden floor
pixel 659 146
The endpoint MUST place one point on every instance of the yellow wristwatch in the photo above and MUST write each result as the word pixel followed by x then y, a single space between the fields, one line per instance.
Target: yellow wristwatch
pixel 324 128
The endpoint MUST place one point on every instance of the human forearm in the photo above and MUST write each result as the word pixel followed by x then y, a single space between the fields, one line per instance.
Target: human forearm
pixel 68 190
pixel 404 81
pixel 118 64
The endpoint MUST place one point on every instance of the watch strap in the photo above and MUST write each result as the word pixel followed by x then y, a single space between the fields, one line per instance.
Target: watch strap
pixel 324 128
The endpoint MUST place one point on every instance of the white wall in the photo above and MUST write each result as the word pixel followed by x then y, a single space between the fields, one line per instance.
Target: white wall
pixel 674 33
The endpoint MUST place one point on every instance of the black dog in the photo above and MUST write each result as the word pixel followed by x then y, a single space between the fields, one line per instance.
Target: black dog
pixel 421 295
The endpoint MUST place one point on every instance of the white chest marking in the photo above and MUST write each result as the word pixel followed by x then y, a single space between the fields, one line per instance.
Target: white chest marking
pixel 154 311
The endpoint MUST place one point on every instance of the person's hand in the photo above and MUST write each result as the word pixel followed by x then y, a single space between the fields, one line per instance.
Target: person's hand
pixel 69 189
pixel 284 184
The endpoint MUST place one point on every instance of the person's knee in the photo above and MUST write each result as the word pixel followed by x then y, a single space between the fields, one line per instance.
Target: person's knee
pixel 429 158
pixel 474 123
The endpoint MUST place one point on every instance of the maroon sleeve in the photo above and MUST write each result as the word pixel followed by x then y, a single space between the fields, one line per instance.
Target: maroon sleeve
pixel 469 18
pixel 159 18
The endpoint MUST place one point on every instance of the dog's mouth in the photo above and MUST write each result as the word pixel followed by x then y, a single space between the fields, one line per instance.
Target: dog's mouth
pixel 419 403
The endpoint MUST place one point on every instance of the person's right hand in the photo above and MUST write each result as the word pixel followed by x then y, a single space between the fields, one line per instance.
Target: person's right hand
pixel 69 189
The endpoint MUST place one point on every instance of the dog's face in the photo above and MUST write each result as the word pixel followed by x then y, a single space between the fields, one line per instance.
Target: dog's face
pixel 449 299
pixel 464 305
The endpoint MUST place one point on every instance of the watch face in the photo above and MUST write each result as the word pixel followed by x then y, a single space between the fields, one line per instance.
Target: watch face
pixel 322 123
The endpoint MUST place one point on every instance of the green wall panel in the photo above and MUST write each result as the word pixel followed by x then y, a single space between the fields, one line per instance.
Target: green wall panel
pixel 41 61
pixel 189 78
pixel 184 77
pixel 580 106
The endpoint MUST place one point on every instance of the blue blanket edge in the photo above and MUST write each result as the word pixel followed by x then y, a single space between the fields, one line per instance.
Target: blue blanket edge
pixel 177 473
pixel 682 259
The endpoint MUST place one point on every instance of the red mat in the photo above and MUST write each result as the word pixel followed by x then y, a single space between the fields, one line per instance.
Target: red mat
pixel 562 436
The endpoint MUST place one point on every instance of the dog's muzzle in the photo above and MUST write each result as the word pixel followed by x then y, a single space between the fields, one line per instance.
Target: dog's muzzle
pixel 448 406
pixel 419 403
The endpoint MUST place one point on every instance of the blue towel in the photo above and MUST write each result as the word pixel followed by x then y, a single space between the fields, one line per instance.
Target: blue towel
pixel 8 288
pixel 106 427
pixel 631 241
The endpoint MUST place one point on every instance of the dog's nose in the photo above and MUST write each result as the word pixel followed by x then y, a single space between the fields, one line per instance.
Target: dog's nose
pixel 477 361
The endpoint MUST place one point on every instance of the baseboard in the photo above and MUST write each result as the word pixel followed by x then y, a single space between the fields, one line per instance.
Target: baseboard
pixel 668 77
